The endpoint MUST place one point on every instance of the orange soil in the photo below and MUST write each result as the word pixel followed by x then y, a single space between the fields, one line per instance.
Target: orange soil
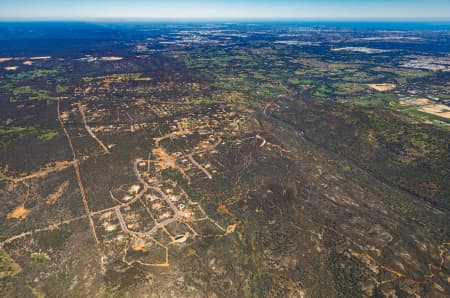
pixel 5 59
pixel 58 166
pixel 165 160
pixel 382 87
pixel 19 213
pixel 437 110
pixel 52 198
pixel 427 106
pixel 223 210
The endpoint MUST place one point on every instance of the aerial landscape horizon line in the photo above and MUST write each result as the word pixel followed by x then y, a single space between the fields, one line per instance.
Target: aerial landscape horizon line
pixel 214 19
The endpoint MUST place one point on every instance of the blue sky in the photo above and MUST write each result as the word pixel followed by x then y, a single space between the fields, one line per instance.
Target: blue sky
pixel 224 9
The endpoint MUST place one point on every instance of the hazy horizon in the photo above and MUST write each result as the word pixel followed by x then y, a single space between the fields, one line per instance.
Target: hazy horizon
pixel 49 10
pixel 221 20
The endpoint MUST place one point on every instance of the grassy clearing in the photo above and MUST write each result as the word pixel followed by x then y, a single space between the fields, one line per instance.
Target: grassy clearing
pixel 119 77
pixel 8 267
pixel 4 177
pixel 9 134
pixel 427 117
pixel 33 74
pixel 348 88
pixel 40 258
pixel 30 85
pixel 27 93
pixel 404 75
pixel 375 100
pixel 60 89
pixel 47 135
pixel 323 91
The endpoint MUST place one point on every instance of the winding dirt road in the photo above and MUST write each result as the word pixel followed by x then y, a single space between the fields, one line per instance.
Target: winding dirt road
pixel 146 187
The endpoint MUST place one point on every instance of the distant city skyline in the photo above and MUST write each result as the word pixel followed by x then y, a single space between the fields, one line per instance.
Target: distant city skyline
pixel 222 9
